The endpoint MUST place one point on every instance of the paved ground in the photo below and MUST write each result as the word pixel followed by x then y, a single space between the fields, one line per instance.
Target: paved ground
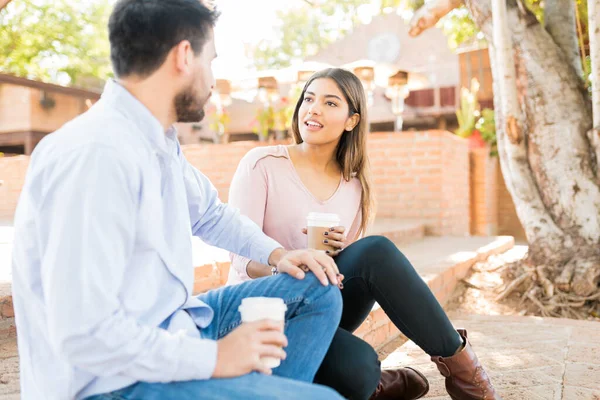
pixel 9 370
pixel 528 358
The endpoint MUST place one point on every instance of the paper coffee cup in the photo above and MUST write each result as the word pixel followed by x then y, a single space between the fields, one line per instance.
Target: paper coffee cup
pixel 258 308
pixel 316 225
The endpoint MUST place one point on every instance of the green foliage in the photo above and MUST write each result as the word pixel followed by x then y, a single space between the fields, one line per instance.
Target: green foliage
pixel 61 41
pixel 460 28
pixel 265 121
pixel 486 125
pixel 304 30
pixel 468 112
pixel 478 126
pixel 218 119
pixel 275 116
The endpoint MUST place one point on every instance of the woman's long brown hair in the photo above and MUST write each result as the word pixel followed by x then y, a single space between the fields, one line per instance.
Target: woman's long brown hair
pixel 351 152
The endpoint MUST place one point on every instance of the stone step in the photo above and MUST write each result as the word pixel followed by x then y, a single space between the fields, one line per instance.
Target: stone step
pixel 398 231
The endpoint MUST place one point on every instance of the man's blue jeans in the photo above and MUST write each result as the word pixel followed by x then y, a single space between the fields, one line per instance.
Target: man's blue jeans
pixel 312 318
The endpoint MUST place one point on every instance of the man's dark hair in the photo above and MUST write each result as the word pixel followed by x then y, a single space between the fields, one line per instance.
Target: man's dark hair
pixel 143 32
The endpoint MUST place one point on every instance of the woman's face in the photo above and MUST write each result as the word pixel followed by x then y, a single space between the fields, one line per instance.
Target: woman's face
pixel 323 114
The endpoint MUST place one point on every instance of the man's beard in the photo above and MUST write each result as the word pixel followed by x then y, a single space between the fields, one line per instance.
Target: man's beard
pixel 187 106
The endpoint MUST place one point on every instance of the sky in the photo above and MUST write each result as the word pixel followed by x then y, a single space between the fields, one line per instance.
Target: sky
pixel 243 21
pixel 247 22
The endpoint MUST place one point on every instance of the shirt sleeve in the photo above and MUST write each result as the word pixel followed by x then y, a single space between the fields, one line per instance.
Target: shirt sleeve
pixel 220 224
pixel 87 217
pixel 248 192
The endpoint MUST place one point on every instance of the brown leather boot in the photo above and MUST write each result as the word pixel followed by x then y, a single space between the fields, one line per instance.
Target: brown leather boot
pixel 465 377
pixel 401 384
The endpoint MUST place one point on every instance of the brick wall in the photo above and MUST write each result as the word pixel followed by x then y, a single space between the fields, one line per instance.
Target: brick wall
pixel 219 161
pixel 65 109
pixel 417 175
pixel 15 108
pixel 20 109
pixel 422 176
pixel 484 192
pixel 12 178
pixel 455 201
pixel 492 208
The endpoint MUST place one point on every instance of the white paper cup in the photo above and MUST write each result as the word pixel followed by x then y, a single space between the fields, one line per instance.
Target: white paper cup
pixel 258 308
pixel 316 225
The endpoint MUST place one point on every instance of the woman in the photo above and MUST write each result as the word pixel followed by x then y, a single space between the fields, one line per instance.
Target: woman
pixel 327 170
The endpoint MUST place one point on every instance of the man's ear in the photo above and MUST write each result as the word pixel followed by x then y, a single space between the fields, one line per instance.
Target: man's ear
pixel 184 54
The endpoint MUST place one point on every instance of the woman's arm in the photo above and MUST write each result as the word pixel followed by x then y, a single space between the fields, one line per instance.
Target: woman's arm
pixel 352 235
pixel 248 193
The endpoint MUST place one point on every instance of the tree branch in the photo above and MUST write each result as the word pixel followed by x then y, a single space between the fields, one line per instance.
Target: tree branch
pixel 560 22
pixel 428 15
pixel 4 3
pixel 506 67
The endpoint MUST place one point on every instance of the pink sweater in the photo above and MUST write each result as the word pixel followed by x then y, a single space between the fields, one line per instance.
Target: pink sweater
pixel 267 189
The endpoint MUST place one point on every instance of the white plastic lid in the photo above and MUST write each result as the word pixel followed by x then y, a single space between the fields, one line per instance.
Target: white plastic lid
pixel 327 218
pixel 263 302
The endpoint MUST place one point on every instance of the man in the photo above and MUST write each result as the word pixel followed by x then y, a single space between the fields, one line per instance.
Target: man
pixel 102 260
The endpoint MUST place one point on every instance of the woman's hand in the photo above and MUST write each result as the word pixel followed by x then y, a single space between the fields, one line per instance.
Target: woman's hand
pixel 334 237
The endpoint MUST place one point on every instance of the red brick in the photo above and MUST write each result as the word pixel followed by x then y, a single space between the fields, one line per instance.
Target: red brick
pixel 414 173
pixel 6 310
pixel 205 284
pixel 204 271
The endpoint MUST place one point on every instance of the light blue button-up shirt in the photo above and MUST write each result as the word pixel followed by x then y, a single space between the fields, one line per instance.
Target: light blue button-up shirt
pixel 102 255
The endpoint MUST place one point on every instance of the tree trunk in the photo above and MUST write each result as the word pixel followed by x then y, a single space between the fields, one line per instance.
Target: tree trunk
pixel 505 62
pixel 559 20
pixel 594 32
pixel 551 172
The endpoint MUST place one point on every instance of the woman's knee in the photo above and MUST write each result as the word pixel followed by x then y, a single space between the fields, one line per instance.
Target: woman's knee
pixel 379 253
pixel 380 245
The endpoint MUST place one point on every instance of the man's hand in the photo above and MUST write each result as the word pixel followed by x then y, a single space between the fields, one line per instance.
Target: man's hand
pixel 239 353
pixel 297 262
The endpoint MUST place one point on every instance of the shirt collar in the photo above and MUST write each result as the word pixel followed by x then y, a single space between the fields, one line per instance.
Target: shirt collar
pixel 127 104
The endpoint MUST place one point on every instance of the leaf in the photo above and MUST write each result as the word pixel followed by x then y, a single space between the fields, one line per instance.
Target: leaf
pixel 58 41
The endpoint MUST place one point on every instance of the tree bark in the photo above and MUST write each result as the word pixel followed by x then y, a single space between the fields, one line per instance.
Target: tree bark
pixel 594 33
pixel 505 63
pixel 428 15
pixel 560 22
pixel 4 3
pixel 550 172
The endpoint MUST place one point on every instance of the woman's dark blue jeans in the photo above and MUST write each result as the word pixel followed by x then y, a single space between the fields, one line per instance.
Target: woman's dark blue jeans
pixel 376 271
